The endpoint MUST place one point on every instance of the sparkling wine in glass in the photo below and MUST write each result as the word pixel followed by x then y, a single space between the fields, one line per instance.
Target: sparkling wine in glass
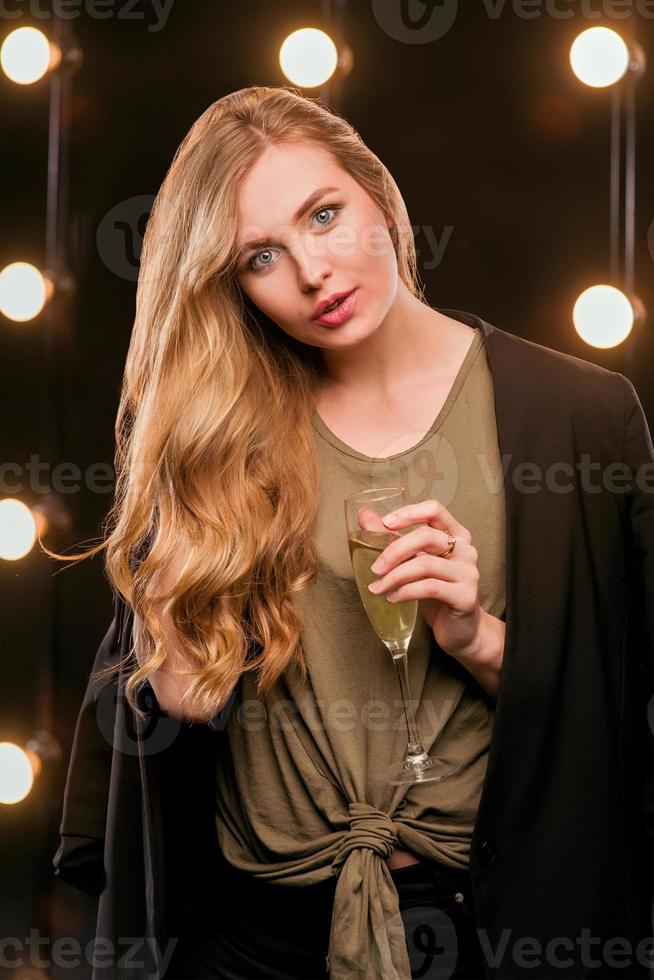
pixel 394 622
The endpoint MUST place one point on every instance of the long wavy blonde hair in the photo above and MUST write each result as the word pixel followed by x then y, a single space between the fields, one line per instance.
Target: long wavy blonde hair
pixel 216 466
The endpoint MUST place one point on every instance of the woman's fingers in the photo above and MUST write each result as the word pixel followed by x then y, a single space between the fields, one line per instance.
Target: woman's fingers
pixel 431 512
pixel 422 567
pixel 422 540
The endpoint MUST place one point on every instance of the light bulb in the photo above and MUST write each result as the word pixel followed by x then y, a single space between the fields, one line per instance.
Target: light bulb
pixel 308 57
pixel 603 316
pixel 27 54
pixel 16 774
pixel 24 291
pixel 599 57
pixel 17 529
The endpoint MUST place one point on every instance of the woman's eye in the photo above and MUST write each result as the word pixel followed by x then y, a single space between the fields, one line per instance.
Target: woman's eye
pixel 252 263
pixel 323 211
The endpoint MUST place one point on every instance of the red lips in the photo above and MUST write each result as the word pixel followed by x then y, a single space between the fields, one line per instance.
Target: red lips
pixel 323 304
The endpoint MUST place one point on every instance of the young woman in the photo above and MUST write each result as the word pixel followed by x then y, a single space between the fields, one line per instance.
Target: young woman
pixel 247 413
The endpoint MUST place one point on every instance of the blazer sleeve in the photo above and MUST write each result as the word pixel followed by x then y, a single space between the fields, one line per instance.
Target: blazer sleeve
pixel 79 859
pixel 639 456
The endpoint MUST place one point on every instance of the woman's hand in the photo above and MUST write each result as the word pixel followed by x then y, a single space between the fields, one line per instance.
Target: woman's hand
pixel 447 589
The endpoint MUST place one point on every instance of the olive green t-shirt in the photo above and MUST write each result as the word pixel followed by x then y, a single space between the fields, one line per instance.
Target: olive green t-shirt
pixel 297 795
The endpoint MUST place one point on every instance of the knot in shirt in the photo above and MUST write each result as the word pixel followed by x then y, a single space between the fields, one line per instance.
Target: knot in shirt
pixel 369 827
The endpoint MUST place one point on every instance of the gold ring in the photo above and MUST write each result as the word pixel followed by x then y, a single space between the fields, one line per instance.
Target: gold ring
pixel 451 541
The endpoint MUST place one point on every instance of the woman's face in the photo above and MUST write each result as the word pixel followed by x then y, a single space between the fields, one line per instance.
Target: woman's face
pixel 311 246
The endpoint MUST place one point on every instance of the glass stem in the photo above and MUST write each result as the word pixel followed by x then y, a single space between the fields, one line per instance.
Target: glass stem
pixel 415 751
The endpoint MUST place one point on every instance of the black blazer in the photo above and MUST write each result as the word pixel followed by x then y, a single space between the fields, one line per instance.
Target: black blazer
pixel 563 845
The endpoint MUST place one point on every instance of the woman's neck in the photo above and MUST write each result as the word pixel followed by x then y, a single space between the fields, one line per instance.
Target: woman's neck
pixel 414 345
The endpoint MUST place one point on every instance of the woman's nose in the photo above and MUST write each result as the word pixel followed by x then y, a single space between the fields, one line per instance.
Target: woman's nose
pixel 312 268
pixel 312 282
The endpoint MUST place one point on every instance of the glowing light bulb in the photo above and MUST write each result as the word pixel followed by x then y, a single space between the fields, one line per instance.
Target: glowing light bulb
pixel 308 57
pixel 16 774
pixel 24 291
pixel 603 316
pixel 26 55
pixel 17 529
pixel 599 57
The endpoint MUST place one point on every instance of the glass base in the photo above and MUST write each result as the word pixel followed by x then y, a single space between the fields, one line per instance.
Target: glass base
pixel 425 769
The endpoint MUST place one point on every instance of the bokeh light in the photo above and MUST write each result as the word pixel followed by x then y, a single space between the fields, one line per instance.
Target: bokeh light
pixel 24 291
pixel 308 57
pixel 603 316
pixel 599 57
pixel 18 529
pixel 26 55
pixel 16 774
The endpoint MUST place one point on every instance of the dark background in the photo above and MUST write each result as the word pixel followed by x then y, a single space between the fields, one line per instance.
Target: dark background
pixel 486 131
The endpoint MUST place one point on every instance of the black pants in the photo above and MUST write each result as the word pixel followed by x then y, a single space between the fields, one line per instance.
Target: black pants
pixel 266 930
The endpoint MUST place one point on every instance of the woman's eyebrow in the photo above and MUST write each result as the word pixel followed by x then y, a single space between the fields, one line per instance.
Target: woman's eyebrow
pixel 312 199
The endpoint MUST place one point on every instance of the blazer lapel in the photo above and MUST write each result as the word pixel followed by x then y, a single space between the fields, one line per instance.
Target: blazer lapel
pixel 536 580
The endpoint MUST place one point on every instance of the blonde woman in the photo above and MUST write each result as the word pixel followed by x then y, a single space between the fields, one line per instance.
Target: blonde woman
pixel 248 411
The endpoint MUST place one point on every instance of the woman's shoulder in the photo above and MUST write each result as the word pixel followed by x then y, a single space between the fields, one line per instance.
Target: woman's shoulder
pixel 550 367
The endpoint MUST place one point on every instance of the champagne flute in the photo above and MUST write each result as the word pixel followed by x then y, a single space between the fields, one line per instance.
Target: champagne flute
pixel 394 623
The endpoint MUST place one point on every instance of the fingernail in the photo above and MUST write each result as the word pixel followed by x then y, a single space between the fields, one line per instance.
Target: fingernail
pixel 378 565
pixel 390 519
